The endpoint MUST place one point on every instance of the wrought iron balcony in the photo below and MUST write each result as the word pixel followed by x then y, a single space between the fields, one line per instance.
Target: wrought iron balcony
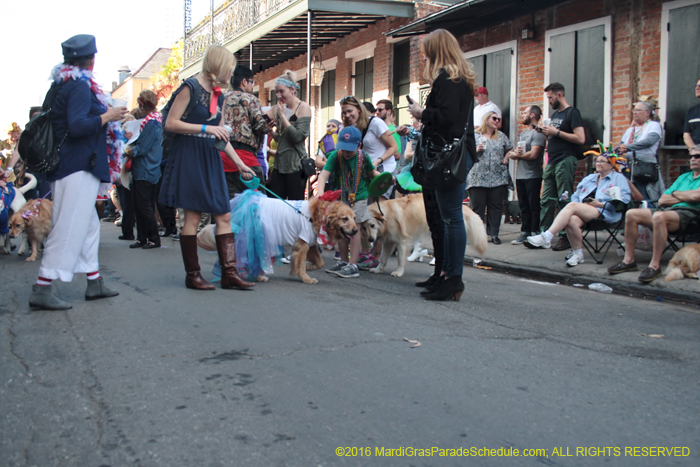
pixel 231 19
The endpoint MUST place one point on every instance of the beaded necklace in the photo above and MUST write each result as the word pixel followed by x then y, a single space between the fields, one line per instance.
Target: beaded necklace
pixel 635 134
pixel 347 195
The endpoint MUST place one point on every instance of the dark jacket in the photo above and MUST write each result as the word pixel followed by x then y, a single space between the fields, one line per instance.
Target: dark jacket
pixel 447 108
pixel 77 111
pixel 148 153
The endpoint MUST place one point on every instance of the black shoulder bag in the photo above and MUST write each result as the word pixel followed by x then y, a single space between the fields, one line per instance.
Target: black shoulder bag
pixel 167 137
pixel 441 164
pixel 644 172
pixel 36 145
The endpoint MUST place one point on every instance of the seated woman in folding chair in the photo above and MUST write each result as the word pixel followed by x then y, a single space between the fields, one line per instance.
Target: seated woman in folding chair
pixel 589 202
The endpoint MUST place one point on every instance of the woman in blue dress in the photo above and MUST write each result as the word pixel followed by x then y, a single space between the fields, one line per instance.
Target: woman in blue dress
pixel 194 176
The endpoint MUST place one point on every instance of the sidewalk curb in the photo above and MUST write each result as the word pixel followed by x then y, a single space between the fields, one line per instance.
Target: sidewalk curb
pixel 619 287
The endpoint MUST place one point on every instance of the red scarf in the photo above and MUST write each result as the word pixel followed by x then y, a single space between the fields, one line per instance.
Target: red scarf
pixel 214 102
pixel 155 115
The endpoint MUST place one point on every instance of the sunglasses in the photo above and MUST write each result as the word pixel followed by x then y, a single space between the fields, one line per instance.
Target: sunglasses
pixel 349 98
pixel 495 119
pixel 695 156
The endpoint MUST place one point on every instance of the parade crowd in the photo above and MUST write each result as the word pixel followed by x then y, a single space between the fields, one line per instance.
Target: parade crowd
pixel 171 172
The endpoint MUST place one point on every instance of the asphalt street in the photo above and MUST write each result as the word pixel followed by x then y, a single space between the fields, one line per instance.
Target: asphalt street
pixel 290 374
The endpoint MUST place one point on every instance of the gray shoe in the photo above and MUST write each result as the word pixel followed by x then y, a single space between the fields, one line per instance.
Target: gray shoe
pixel 42 298
pixel 97 289
pixel 519 241
pixel 336 267
pixel 349 270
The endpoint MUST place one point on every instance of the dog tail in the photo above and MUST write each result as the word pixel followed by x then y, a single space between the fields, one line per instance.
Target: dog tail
pixel 476 232
pixel 673 273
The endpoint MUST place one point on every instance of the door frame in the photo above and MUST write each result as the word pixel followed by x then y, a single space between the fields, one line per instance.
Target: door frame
pixel 663 62
pixel 607 74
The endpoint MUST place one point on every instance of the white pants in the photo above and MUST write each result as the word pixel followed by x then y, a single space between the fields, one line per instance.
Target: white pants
pixel 75 238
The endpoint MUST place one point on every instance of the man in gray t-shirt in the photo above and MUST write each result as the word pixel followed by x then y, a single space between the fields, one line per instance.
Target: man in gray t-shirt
pixel 528 179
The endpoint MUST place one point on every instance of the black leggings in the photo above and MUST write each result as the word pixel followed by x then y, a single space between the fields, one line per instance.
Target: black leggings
pixel 287 186
pixel 489 202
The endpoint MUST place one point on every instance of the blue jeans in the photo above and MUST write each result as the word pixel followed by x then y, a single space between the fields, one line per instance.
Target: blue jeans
pixel 450 203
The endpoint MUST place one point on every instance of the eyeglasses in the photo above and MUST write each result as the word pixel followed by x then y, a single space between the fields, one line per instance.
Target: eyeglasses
pixel 604 161
pixel 495 119
pixel 639 110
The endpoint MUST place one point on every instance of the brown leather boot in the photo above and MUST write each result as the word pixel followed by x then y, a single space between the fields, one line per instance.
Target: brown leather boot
pixel 194 280
pixel 227 259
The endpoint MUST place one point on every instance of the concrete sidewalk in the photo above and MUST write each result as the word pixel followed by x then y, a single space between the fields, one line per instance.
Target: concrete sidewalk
pixel 551 266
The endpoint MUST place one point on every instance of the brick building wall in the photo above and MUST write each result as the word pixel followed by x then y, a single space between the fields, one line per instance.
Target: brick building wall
pixel 636 52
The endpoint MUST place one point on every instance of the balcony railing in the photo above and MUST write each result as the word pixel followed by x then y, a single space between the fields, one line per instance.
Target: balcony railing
pixel 230 20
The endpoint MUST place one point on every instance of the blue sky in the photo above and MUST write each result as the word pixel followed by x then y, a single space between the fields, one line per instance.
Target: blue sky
pixel 127 32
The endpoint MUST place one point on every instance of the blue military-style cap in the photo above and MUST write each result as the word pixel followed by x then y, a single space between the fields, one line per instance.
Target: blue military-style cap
pixel 81 45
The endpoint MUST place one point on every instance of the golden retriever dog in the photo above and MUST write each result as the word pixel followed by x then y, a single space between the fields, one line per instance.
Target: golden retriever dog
pixel 404 223
pixel 336 218
pixel 34 220
pixel 685 263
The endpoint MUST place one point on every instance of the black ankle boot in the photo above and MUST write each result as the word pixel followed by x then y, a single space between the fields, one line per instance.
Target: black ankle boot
pixel 450 289
pixel 432 280
pixel 433 287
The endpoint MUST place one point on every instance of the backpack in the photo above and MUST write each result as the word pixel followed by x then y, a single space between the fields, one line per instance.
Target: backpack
pixel 580 149
pixel 167 138
pixel 36 145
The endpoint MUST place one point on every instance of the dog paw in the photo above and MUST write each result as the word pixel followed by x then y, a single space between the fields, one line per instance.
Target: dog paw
pixel 262 278
pixel 397 273
pixel 376 270
pixel 310 280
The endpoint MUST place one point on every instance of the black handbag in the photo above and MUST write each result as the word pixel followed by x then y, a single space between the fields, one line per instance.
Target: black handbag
pixel 441 164
pixel 36 145
pixel 308 167
pixel 644 172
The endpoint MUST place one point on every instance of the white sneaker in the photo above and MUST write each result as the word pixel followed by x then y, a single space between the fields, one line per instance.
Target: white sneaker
pixel 570 254
pixel 417 255
pixel 432 262
pixel 575 260
pixel 537 241
pixel 287 259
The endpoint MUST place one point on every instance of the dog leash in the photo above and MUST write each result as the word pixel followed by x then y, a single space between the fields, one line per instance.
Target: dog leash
pixel 254 184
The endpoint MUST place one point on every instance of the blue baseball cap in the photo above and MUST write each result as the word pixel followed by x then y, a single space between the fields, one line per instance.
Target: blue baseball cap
pixel 81 45
pixel 349 139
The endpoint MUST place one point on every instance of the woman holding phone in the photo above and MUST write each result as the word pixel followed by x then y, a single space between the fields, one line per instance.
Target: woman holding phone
pixel 446 113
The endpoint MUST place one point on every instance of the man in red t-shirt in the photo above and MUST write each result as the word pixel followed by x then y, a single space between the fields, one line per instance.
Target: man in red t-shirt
pixel 242 112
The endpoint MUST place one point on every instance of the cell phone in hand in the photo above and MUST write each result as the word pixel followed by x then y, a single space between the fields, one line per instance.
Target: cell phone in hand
pixel 267 118
pixel 408 98
pixel 588 200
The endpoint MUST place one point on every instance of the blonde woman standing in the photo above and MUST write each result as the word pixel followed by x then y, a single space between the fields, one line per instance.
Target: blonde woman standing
pixel 194 176
pixel 446 114
pixel 287 179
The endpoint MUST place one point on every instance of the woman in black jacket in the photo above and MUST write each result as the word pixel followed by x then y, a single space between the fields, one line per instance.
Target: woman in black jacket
pixel 447 111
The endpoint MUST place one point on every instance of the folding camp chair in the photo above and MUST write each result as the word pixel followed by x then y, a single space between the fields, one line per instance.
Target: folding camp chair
pixel 690 234
pixel 604 233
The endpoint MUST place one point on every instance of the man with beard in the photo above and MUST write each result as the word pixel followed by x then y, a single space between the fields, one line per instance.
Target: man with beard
pixel 528 179
pixel 564 133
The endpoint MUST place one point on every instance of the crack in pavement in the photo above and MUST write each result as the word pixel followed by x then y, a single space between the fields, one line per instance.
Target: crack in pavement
pixel 13 336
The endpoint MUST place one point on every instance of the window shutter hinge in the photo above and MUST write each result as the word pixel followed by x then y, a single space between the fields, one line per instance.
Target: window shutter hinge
pixel 668 27
pixel 512 52
pixel 549 49
pixel 605 39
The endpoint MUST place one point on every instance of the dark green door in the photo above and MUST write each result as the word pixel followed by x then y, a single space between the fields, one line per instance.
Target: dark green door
pixel 577 60
pixel 683 69
pixel 402 82
pixel 493 71
pixel 364 79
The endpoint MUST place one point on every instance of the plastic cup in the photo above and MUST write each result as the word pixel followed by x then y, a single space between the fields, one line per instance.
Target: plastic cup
pixel 522 145
pixel 220 144
pixel 118 103
pixel 546 121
